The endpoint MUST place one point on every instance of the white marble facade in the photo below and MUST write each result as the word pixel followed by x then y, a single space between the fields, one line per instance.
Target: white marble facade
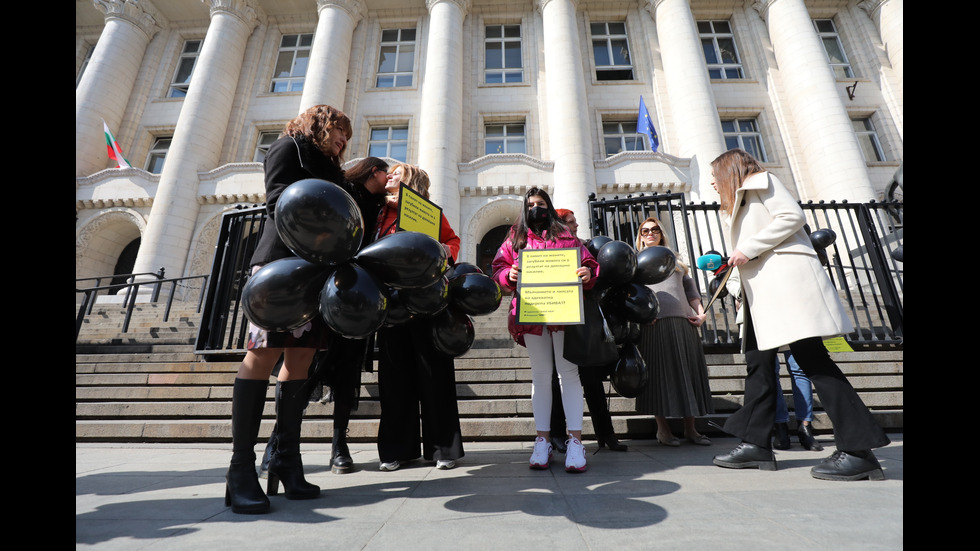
pixel 556 103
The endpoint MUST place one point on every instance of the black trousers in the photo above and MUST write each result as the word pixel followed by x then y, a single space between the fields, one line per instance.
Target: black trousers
pixel 855 429
pixel 418 397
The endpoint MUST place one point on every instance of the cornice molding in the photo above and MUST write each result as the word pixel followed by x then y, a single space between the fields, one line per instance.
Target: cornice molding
pixel 872 7
pixel 633 156
pixel 505 159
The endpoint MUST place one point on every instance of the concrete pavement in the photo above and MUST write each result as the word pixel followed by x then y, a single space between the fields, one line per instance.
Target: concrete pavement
pixel 171 496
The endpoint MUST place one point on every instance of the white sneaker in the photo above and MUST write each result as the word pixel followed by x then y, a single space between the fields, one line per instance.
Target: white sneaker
pixel 445 464
pixel 574 456
pixel 541 457
pixel 392 466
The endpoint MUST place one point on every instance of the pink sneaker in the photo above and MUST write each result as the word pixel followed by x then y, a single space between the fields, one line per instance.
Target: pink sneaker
pixel 574 456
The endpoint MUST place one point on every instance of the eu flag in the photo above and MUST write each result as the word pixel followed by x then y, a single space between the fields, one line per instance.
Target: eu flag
pixel 644 125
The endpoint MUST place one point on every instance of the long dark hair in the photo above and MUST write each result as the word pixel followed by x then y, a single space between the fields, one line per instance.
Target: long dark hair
pixel 555 228
pixel 731 168
pixel 360 172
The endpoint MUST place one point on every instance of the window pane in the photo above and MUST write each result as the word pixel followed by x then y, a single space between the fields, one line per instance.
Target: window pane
pixel 306 40
pixel 386 63
pixel 512 31
pixel 390 35
pixel 516 147
pixel 600 52
pixel 833 50
pixel 184 70
pixel 288 41
pixel 301 63
pixel 598 28
pixel 722 27
pixel 514 77
pixel 284 63
pixel 494 147
pixel 728 126
pixel 399 133
pixel 612 146
pixel 408 35
pixel 495 78
pixel 731 142
pixel 377 150
pixel 386 81
pixel 617 28
pixel 512 51
pixel 704 27
pixel 494 56
pixel 727 49
pixel 825 26
pixel 708 46
pixel 493 31
pixel 403 80
pixel 406 58
pixel 495 131
pixel 399 151
pixel 621 52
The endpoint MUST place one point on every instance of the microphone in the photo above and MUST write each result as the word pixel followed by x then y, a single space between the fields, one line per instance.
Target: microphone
pixel 711 262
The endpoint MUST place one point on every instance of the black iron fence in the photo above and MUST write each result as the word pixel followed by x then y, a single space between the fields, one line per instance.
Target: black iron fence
pixel 865 263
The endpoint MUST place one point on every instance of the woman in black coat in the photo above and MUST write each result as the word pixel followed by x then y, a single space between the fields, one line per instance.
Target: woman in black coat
pixel 311 147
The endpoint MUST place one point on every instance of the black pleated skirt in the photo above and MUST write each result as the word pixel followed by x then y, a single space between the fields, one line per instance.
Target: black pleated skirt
pixel 678 372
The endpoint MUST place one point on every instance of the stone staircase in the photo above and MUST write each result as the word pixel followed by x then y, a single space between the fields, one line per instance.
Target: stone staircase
pixel 147 385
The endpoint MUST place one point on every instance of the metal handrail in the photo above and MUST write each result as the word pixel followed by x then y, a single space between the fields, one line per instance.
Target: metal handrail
pixel 132 291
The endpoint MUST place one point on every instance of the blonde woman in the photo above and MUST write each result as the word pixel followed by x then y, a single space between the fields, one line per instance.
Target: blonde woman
pixel 672 349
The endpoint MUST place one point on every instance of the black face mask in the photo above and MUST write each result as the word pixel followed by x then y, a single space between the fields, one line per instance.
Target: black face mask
pixel 537 216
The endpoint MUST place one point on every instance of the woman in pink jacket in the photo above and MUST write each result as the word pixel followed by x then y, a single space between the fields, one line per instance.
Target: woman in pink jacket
pixel 540 227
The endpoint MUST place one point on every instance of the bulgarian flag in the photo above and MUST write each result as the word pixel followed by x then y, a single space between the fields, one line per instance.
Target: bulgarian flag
pixel 113 146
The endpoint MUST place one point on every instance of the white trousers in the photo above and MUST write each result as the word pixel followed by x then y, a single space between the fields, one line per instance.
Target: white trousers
pixel 545 352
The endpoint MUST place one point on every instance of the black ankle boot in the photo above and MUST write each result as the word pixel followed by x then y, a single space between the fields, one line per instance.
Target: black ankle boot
pixel 780 439
pixel 805 434
pixel 243 493
pixel 287 464
pixel 340 459
pixel 746 456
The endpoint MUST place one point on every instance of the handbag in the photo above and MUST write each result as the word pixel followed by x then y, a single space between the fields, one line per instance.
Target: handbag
pixel 590 344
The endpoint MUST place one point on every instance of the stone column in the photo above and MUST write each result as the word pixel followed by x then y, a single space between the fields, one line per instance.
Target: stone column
pixel 441 116
pixel 692 101
pixel 109 78
pixel 198 138
pixel 888 16
pixel 829 146
pixel 569 118
pixel 326 79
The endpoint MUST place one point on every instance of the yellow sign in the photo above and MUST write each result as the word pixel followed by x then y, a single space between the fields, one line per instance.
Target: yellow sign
pixel 551 305
pixel 549 290
pixel 416 213
pixel 837 344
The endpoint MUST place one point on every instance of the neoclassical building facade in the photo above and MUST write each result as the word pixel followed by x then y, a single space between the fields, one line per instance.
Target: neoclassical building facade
pixel 490 97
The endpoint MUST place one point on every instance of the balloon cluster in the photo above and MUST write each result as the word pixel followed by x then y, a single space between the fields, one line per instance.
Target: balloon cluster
pixel 398 278
pixel 626 302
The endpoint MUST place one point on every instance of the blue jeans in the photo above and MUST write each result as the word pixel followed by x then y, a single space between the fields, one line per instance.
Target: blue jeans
pixel 802 392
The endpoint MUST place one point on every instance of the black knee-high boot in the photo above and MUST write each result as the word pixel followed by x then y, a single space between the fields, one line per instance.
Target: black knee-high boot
pixel 287 464
pixel 242 490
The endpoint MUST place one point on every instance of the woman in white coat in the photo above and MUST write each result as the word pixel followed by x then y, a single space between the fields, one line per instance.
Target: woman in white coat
pixel 788 300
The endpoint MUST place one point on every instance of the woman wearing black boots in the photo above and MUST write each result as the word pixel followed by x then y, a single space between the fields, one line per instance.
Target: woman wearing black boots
pixel 311 147
pixel 788 300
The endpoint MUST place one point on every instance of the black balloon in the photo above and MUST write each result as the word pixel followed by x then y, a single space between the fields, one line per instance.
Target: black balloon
pixel 452 332
pixel 635 331
pixel 631 375
pixel 823 238
pixel 405 259
pixel 898 253
pixel 617 262
pixel 618 325
pixel 397 312
pixel 282 295
pixel 475 294
pixel 352 302
pixel 640 303
pixel 654 265
pixel 428 300
pixel 596 243
pixel 319 221
pixel 462 268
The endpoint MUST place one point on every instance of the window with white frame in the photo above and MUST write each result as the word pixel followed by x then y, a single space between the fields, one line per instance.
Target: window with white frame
pixel 389 141
pixel 720 53
pixel 744 133
pixel 621 136
pixel 396 59
pixel 157 155
pixel 291 63
pixel 868 138
pixel 827 32
pixel 611 51
pixel 185 68
pixel 262 145
pixel 504 138
pixel 503 62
